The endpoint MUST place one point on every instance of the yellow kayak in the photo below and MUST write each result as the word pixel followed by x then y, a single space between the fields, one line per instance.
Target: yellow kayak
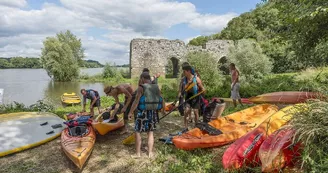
pixel 105 127
pixel 71 98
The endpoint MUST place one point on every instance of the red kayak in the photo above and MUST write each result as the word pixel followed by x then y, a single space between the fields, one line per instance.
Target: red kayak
pixel 287 97
pixel 243 100
pixel 278 150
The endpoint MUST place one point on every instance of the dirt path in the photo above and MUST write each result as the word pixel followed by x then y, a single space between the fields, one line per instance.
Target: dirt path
pixel 109 155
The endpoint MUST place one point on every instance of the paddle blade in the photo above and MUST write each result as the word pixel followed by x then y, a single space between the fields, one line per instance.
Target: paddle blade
pixel 187 88
pixel 129 140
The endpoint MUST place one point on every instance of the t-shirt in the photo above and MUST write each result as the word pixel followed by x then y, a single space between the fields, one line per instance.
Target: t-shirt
pixel 91 94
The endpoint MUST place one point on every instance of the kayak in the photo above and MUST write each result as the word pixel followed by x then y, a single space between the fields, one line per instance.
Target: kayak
pixel 244 151
pixel 70 98
pixel 278 150
pixel 23 130
pixel 287 97
pixel 104 127
pixel 243 100
pixel 232 126
pixel 78 148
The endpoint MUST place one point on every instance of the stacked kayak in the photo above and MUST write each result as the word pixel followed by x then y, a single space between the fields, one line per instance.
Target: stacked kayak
pixel 24 130
pixel 278 150
pixel 232 126
pixel 70 99
pixel 78 148
pixel 244 151
pixel 285 97
pixel 104 127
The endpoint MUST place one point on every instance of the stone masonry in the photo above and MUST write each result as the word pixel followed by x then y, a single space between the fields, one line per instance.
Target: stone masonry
pixel 155 54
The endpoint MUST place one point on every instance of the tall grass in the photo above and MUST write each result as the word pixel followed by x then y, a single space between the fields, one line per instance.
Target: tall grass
pixel 311 126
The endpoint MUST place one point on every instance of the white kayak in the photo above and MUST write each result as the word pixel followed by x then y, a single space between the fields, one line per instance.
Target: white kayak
pixel 23 130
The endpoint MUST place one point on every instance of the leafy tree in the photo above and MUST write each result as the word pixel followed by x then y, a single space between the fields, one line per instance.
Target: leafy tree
pixel 206 64
pixel 61 56
pixel 5 63
pixel 249 59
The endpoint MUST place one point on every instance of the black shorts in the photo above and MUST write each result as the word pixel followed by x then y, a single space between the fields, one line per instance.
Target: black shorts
pixel 97 104
pixel 193 103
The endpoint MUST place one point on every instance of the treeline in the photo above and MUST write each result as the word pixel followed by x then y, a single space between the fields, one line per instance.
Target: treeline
pixel 20 62
pixel 34 63
pixel 293 33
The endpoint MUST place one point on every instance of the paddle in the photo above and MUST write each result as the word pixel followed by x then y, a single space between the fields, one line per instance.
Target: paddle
pixel 131 138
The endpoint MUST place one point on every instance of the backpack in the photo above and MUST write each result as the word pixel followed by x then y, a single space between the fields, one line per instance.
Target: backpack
pixel 83 120
pixel 210 108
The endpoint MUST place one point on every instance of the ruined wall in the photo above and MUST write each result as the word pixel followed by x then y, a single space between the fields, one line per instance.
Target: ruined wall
pixel 155 53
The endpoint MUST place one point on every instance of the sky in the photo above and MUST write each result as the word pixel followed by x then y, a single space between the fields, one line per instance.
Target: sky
pixel 106 27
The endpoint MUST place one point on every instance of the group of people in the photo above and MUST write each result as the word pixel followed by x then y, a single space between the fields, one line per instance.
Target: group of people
pixel 145 103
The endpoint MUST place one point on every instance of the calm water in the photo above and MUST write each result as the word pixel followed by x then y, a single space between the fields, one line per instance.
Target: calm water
pixel 30 85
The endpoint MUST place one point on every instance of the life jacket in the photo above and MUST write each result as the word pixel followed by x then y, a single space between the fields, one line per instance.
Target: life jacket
pixel 88 96
pixel 83 120
pixel 151 99
pixel 194 89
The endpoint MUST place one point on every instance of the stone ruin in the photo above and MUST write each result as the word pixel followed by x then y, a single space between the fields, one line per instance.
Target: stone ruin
pixel 155 54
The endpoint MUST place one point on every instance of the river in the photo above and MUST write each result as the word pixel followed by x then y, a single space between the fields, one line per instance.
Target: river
pixel 27 86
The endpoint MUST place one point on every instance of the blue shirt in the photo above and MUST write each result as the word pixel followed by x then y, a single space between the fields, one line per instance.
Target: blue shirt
pixel 91 95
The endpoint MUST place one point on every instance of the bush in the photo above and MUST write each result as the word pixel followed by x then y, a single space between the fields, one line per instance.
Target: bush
pixel 249 59
pixel 40 106
pixel 311 129
pixel 206 65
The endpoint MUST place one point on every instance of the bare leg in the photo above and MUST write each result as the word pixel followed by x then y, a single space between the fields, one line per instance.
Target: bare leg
pixel 234 103
pixel 239 100
pixel 125 129
pixel 186 115
pixel 138 144
pixel 196 113
pixel 92 111
pixel 150 144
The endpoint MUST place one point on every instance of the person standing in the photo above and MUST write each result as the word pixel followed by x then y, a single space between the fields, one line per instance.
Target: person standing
pixel 235 85
pixel 193 104
pixel 148 102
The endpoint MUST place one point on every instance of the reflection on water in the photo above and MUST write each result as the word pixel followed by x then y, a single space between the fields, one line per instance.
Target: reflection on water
pixel 30 85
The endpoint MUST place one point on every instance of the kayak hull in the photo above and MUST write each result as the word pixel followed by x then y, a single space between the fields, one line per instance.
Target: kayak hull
pixel 286 97
pixel 278 150
pixel 244 151
pixel 78 149
pixel 103 128
pixel 70 99
pixel 232 126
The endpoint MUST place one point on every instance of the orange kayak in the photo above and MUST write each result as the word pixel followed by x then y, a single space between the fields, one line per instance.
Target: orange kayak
pixel 287 97
pixel 77 148
pixel 232 126
pixel 244 151
pixel 103 128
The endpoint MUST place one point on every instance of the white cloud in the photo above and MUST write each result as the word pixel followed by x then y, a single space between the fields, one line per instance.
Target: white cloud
pixel 148 17
pixel 13 3
pixel 209 24
pixel 22 31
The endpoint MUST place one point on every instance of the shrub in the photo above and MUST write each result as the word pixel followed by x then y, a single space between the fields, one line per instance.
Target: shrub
pixel 249 59
pixel 206 65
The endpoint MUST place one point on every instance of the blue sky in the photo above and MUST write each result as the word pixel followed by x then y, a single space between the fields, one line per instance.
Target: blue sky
pixel 107 26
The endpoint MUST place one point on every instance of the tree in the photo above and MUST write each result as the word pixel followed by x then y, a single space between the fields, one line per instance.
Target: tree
pixel 62 55
pixel 249 59
pixel 5 64
pixel 206 65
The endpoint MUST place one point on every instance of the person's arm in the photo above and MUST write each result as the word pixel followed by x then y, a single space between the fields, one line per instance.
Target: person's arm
pixel 136 101
pixel 84 103
pixel 129 98
pixel 94 99
pixel 117 106
pixel 180 87
pixel 200 84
